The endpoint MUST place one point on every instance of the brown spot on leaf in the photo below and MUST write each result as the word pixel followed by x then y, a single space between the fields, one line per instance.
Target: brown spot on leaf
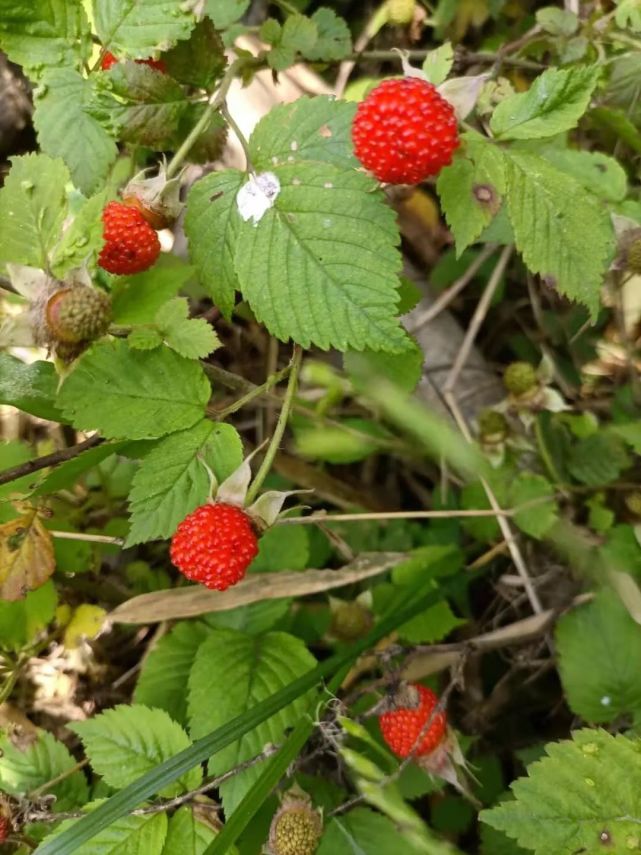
pixel 325 131
pixel 487 197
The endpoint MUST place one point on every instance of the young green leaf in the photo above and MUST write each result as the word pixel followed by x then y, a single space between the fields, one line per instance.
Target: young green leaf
pixel 22 619
pixel 334 40
pixel 599 652
pixel 282 548
pixel 199 60
pixel 172 480
pixel 129 835
pixel 212 224
pixel 29 764
pixel 298 35
pixel 82 239
pixel 222 687
pixel 133 394
pixel 32 208
pixel 187 835
pixel 31 388
pixel 471 190
pixel 363 832
pixel 554 103
pixel 226 12
pixel 438 63
pixel 139 104
pixel 67 130
pixel 598 459
pixel 191 338
pixel 44 33
pixel 125 742
pixel 136 299
pixel 165 673
pixel 340 242
pixel 138 29
pixel 585 795
pixel 562 231
pixel 597 172
pixel 309 129
pixel 541 516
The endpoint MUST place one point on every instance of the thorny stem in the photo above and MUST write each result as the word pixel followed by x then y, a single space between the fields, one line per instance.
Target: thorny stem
pixel 215 103
pixel 280 425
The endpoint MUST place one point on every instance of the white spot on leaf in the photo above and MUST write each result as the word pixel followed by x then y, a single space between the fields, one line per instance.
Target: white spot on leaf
pixel 257 196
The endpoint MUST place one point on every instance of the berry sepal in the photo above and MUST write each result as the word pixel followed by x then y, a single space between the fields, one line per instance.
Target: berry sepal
pixel 157 198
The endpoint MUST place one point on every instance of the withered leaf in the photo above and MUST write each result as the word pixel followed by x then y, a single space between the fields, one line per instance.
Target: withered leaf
pixel 26 556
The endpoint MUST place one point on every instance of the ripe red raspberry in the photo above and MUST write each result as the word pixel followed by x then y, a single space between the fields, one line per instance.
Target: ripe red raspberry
pixel 109 59
pixel 402 727
pixel 404 131
pixel 214 545
pixel 131 245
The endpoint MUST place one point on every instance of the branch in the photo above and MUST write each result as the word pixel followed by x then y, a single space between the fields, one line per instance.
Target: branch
pixel 47 460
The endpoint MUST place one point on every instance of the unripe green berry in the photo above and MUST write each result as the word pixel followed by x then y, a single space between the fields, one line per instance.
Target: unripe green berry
pixel 400 12
pixel 633 503
pixel 295 830
pixel 520 378
pixel 351 621
pixel 78 314
pixel 493 426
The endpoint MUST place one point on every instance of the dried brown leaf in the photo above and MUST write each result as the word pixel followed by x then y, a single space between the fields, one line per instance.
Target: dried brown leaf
pixel 196 600
pixel 26 556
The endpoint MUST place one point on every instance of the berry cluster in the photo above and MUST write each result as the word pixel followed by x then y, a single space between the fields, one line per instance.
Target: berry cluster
pixel 405 131
pixel 131 245
pixel 214 545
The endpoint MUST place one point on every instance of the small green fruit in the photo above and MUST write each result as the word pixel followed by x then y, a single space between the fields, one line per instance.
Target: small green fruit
pixel 400 12
pixel 520 378
pixel 493 426
pixel 78 314
pixel 295 830
pixel 351 621
pixel 633 256
pixel 633 503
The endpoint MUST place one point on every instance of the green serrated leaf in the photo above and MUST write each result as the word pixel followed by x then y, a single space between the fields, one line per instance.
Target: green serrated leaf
pixel 433 625
pixel 172 480
pixel 139 104
pixel 471 190
pixel 598 459
pixel 282 548
pixel 165 672
pixel 539 519
pixel 584 787
pixel 136 299
pixel 43 33
pixel 129 835
pixel 26 765
pixel 297 36
pixel 186 835
pixel 334 40
pixel 438 63
pixel 222 687
pixel 125 742
pixel 212 224
pixel 32 387
pixel 144 338
pixel 193 338
pixel 599 654
pixel 140 28
pixel 308 129
pixel 339 239
pixel 32 208
pixel 82 239
pixel 553 104
pixel 226 12
pixel 597 172
pixel 133 394
pixel 557 22
pixel 363 832
pixel 199 60
pixel 562 231
pixel 67 130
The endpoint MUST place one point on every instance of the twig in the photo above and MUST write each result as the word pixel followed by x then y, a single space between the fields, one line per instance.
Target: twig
pixel 47 460
pixel 391 515
pixel 281 424
pixel 89 538
pixel 44 788
pixel 444 299
pixel 271 381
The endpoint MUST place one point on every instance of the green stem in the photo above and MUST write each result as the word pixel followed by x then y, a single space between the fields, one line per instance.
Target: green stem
pixel 239 134
pixel 215 103
pixel 9 684
pixel 266 465
pixel 271 381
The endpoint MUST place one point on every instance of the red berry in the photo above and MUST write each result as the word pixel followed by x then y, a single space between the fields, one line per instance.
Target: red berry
pixel 402 728
pixel 131 245
pixel 109 59
pixel 404 131
pixel 214 545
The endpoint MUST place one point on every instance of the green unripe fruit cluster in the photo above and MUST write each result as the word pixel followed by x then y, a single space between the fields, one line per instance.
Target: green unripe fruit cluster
pixel 351 621
pixel 78 314
pixel 295 829
pixel 520 378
